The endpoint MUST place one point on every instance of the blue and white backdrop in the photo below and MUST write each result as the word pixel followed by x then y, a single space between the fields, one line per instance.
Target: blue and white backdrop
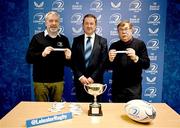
pixel 148 17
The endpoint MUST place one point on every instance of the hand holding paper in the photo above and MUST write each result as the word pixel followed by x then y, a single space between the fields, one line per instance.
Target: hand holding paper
pixel 59 49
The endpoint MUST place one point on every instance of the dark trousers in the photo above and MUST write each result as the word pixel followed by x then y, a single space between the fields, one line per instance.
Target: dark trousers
pixel 126 94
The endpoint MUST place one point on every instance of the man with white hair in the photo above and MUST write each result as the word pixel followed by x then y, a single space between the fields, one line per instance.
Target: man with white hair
pixel 49 51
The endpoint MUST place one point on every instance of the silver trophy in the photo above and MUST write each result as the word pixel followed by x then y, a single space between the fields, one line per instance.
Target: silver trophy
pixel 95 89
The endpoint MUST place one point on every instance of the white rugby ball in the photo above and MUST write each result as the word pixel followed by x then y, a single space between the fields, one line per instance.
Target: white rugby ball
pixel 140 111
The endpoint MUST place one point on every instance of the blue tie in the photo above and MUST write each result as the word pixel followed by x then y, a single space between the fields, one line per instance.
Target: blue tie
pixel 88 51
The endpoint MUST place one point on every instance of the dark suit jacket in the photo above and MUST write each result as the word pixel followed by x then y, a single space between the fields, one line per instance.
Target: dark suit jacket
pixel 97 59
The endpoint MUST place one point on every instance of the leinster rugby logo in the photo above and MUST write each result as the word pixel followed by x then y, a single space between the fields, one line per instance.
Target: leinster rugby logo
pixel 58 5
pixel 96 6
pixel 38 18
pixel 60 44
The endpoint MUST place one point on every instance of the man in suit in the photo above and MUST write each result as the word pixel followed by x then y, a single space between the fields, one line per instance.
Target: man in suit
pixel 128 57
pixel 89 53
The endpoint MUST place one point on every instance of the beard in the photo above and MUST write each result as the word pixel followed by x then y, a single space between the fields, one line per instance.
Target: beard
pixel 54 30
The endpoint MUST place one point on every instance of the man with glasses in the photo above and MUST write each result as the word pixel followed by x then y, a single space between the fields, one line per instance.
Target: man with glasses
pixel 128 57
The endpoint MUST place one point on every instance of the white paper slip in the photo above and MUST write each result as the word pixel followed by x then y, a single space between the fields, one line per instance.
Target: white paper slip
pixel 121 51
pixel 59 49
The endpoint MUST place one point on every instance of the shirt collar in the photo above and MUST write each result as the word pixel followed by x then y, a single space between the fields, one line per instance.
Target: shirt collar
pixel 92 36
pixel 46 33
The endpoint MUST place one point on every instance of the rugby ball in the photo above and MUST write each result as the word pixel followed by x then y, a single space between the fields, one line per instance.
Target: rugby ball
pixel 140 111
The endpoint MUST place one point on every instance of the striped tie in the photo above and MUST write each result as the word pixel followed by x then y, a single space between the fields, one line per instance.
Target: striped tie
pixel 88 51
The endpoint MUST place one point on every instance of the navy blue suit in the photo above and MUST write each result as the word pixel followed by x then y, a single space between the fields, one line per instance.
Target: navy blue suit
pixel 95 68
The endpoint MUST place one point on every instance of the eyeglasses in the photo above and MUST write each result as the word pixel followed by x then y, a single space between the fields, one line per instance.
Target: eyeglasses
pixel 124 29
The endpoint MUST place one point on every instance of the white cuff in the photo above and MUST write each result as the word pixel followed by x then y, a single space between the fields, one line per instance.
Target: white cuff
pixel 81 77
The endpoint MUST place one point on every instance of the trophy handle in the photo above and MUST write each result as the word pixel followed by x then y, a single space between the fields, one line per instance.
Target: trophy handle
pixel 85 88
pixel 105 88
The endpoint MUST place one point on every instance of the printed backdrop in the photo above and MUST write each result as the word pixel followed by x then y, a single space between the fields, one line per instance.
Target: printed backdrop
pixel 148 17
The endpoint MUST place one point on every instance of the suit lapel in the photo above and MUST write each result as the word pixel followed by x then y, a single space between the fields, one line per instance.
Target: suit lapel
pixel 95 46
pixel 81 41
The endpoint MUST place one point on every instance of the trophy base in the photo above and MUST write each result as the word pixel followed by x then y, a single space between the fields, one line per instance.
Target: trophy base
pixel 95 110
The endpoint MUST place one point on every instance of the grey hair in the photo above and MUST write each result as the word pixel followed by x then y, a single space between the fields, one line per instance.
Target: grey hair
pixel 53 13
pixel 122 23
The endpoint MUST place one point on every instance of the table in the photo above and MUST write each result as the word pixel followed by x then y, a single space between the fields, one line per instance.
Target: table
pixel 113 117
